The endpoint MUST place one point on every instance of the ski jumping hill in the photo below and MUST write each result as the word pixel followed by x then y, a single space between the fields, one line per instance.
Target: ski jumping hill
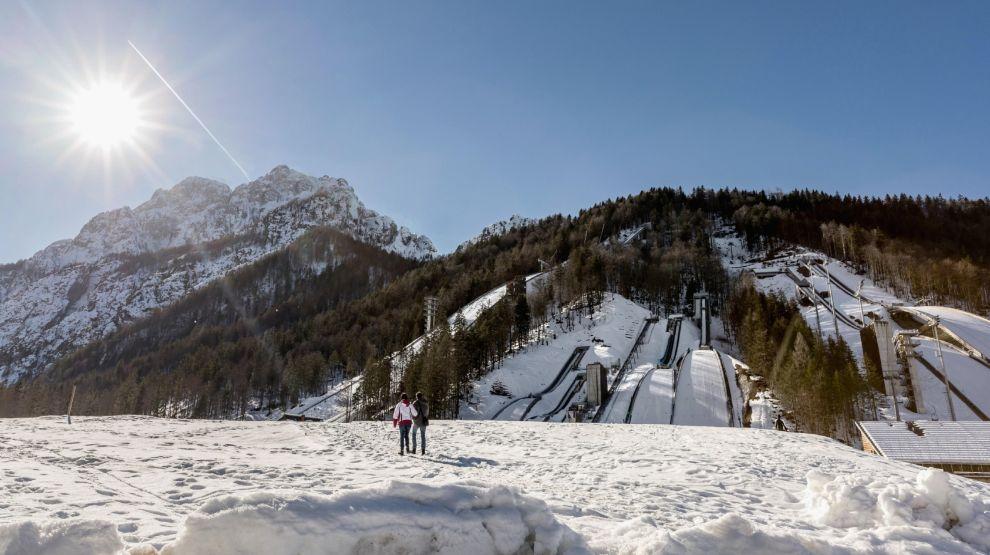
pixel 678 382
pixel 972 331
pixel 656 344
pixel 647 395
pixel 829 286
pixel 143 485
pixel 541 378
pixel 702 395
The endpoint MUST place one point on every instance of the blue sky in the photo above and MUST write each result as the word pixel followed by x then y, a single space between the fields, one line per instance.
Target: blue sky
pixel 448 116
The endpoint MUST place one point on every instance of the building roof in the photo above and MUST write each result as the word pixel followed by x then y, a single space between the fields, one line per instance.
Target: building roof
pixel 927 441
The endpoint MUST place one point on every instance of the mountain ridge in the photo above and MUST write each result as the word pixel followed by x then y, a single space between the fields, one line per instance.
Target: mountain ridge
pixel 126 262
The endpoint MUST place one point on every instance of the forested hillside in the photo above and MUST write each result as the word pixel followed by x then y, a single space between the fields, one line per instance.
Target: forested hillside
pixel 202 355
pixel 817 380
pixel 918 246
pixel 273 356
pixel 224 351
pixel 661 270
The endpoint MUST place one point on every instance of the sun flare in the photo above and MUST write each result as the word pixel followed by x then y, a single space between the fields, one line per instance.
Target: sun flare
pixel 105 115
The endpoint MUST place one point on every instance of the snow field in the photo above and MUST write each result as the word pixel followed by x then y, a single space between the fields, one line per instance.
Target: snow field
pixel 147 485
pixel 930 504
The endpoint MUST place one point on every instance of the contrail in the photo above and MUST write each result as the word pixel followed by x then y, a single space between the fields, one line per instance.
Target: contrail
pixel 191 113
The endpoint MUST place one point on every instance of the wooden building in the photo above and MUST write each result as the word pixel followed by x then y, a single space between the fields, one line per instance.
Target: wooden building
pixel 961 448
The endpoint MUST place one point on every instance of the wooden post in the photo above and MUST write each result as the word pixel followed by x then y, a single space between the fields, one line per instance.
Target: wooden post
pixel 72 397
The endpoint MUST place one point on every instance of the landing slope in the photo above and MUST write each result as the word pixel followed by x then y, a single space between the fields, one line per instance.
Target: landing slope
pixel 608 334
pixel 700 398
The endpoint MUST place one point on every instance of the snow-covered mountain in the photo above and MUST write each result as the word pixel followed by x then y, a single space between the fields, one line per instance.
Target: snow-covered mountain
pixel 500 227
pixel 127 262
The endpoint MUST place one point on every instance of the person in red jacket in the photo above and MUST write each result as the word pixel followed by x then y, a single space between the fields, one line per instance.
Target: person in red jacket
pixel 402 417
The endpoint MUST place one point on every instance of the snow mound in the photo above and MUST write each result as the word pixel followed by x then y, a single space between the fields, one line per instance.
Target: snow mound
pixel 402 517
pixel 885 515
pixel 931 505
pixel 76 537
pixel 730 533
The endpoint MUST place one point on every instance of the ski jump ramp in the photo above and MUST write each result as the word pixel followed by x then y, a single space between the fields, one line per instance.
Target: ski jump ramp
pixel 702 394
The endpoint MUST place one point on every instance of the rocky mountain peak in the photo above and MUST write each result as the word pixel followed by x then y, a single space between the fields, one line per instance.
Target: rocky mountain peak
pixel 75 291
pixel 499 227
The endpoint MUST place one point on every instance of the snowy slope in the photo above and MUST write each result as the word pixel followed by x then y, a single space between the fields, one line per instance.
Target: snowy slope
pixel 499 228
pixel 126 263
pixel 654 399
pixel 653 403
pixel 609 334
pixel 469 312
pixel 335 404
pixel 730 364
pixel 935 403
pixel 972 329
pixel 647 361
pixel 282 487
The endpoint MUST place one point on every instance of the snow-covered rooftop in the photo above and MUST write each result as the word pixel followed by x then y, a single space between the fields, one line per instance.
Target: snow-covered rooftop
pixel 925 441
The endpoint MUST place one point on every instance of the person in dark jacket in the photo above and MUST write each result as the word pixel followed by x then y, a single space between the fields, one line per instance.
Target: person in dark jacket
pixel 420 422
pixel 779 424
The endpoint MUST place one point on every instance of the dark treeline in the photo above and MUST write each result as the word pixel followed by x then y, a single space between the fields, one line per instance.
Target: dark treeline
pixel 818 381
pixel 954 227
pixel 921 247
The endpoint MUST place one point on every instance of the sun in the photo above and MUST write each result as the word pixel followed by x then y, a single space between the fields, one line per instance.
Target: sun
pixel 105 115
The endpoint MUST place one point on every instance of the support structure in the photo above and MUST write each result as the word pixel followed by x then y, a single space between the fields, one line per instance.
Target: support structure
pixel 888 360
pixel 818 320
pixel 831 300
pixel 597 384
pixel 945 372
pixel 906 343
pixel 430 308
pixel 859 295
